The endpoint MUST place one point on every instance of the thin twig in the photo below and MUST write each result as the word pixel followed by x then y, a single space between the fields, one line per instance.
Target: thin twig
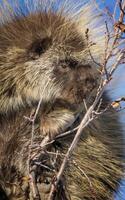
pixel 89 114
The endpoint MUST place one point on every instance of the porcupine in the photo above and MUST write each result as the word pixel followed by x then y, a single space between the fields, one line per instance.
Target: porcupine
pixel 44 55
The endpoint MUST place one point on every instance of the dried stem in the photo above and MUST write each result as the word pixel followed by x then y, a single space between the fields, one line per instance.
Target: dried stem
pixel 89 113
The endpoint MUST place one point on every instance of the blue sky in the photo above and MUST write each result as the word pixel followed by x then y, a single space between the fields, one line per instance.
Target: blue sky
pixel 118 89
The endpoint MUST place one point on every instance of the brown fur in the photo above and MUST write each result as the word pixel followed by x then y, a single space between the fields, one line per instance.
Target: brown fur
pixel 44 56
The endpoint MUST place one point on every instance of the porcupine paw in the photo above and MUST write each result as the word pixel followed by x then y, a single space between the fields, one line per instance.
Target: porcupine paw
pixel 56 122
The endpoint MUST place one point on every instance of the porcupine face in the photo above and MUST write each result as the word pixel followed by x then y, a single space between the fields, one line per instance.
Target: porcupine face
pixel 45 55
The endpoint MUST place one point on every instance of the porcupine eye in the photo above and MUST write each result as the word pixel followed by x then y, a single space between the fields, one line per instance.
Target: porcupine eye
pixel 39 47
pixel 67 65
